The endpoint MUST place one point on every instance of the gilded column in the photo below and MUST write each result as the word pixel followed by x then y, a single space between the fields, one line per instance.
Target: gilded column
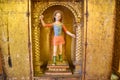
pixel 36 48
pixel 78 51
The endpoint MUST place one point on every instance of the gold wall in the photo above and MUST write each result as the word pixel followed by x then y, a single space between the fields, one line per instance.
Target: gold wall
pixel 13 13
pixel 100 39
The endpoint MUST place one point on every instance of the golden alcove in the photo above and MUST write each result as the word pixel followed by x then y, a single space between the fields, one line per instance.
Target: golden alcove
pixel 46 33
pixel 41 36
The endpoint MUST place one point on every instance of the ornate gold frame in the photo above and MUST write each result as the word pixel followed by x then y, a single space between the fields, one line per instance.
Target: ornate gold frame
pixel 77 10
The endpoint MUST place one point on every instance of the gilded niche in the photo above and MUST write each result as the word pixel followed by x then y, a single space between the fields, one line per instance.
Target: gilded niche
pixel 41 37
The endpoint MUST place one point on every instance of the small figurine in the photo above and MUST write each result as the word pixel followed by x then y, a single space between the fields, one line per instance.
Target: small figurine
pixel 58 39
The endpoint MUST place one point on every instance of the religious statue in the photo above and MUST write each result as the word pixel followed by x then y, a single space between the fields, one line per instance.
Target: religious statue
pixel 58 39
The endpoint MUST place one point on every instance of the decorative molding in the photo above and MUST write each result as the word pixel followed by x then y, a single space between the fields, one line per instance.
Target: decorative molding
pixel 74 7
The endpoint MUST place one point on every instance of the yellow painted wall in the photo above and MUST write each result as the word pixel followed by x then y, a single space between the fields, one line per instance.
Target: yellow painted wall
pixel 100 38
pixel 13 14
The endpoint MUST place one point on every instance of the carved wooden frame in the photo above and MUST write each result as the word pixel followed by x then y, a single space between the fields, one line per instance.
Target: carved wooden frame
pixel 75 8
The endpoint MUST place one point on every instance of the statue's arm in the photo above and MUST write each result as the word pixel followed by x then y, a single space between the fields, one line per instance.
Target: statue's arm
pixel 67 32
pixel 43 23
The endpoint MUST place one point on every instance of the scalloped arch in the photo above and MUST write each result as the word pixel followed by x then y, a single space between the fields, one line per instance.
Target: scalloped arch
pixel 60 4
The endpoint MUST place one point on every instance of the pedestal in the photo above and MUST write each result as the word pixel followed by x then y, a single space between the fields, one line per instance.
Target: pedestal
pixel 61 68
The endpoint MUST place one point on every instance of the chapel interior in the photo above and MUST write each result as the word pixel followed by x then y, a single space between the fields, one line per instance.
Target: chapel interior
pixel 26 46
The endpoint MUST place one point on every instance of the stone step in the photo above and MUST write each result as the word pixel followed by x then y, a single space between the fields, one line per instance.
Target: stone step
pixel 58 73
pixel 58 69
pixel 58 66
pixel 61 68
pixel 58 63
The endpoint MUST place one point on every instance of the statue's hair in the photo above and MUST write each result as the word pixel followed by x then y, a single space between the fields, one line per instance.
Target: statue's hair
pixel 57 11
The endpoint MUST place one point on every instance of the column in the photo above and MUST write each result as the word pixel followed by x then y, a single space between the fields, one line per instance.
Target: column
pixel 78 50
pixel 36 48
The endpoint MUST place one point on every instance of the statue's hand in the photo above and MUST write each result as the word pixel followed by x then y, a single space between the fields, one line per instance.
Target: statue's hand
pixel 73 35
pixel 41 17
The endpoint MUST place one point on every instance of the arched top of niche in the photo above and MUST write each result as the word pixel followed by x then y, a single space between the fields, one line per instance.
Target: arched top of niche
pixel 64 5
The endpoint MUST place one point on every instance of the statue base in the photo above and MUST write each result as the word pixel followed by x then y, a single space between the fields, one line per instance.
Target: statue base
pixel 61 68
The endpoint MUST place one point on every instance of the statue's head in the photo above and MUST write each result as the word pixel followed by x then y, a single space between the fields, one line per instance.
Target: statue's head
pixel 57 16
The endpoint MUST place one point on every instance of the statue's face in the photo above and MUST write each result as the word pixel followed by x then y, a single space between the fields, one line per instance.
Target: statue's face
pixel 58 17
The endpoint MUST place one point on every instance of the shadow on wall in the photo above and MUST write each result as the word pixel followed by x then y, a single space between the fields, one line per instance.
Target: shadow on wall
pixel 3 75
pixel 116 55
